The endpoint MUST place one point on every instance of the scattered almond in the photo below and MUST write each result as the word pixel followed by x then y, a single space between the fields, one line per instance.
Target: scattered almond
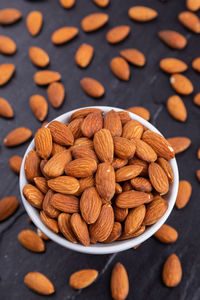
pixel 193 5
pixel 15 163
pixel 190 21
pixel 46 77
pixel 39 106
pixel 172 271
pixel 196 99
pixel 84 55
pixel 17 136
pixel 173 39
pixel 166 234
pixel 39 57
pixel 94 21
pixel 92 87
pixel 6 110
pixel 179 144
pixel 6 72
pixel 7 45
pixel 117 34
pixel 34 22
pixel 181 84
pixel 142 13
pixel 119 283
pixel 83 278
pixel 196 64
pixel 31 241
pixel 9 16
pixel 8 206
pixel 184 194
pixel 173 65
pixel 67 3
pixel 39 283
pixel 64 35
pixel 101 3
pixel 176 108
pixel 120 68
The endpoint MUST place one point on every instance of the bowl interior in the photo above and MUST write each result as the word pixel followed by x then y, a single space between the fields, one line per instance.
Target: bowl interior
pixel 100 248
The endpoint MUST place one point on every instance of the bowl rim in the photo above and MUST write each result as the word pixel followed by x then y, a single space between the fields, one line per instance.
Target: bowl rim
pixel 99 248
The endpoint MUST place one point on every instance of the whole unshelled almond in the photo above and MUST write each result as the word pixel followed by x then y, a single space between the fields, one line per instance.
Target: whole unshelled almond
pixel 39 106
pixel 101 3
pixel 43 142
pixel 56 94
pixel 142 13
pixel 172 271
pixel 7 45
pixel 144 164
pixel 193 5
pixel 141 184
pixel 15 163
pixel 33 195
pixel 81 113
pixel 144 151
pixel 190 21
pixel 127 186
pixel 75 127
pixel 64 35
pixel 115 233
pixel 119 163
pixel 41 184
pixel 166 234
pixel 134 219
pixel 173 65
pixel 134 56
pixel 124 116
pixel 179 144
pixel 158 178
pixel 184 194
pixel 181 84
pixel 80 229
pixel 34 22
pixel 155 210
pixel 124 148
pixel 113 123
pixel 105 181
pixel 84 152
pixel 140 111
pixel 32 166
pixel 17 136
pixel 6 72
pixel 8 206
pixel 84 55
pixel 52 224
pixel 90 205
pixel 55 166
pixel 94 21
pixel 31 241
pixel 166 167
pixel 48 209
pixel 6 110
pixel 84 184
pixel 46 77
pixel 61 134
pixel 176 108
pixel 83 141
pixel 196 64
pixel 173 39
pixel 83 278
pixel 120 68
pixel 131 199
pixel 91 124
pixel 103 145
pixel 120 213
pixel 117 34
pixel 118 189
pixel 65 203
pixel 196 99
pixel 64 184
pixel 65 227
pixel 119 283
pixel 81 167
pixel 132 129
pixel 39 283
pixel 92 87
pixel 9 16
pixel 38 56
pixel 67 3
pixel 127 173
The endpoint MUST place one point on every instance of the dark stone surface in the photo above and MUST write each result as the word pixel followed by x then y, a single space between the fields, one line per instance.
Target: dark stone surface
pixel 149 87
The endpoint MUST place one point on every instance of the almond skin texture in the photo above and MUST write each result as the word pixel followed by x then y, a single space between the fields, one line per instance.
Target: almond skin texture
pixel 39 106
pixel 6 72
pixel 83 278
pixel 144 151
pixel 34 22
pixel 166 234
pixel 155 210
pixel 84 152
pixel 64 184
pixel 48 209
pixel 120 213
pixel 131 199
pixel 193 5
pixel 15 163
pixel 176 108
pixel 184 194
pixel 84 55
pixel 31 241
pixel 105 181
pixel 132 129
pixel 39 283
pixel 65 203
pixel 91 124
pixel 41 184
pixel 17 137
pixel 119 283
pixel 56 94
pixel 124 116
pixel 134 219
pixel 103 145
pixel 124 148
pixel 90 205
pixel 142 13
pixel 102 228
pixel 80 229
pixel 196 64
pixel 81 113
pixel 141 184
pixel 7 45
pixel 83 141
pixel 158 178
pixel 173 39
pixel 67 3
pixel 190 21
pixel 127 172
pixel 75 127
pixel 92 87
pixel 84 184
pixel 38 57
pixel 119 163
pixel 81 167
pixel 181 84
pixel 49 222
pixel 179 144
pixel 115 233
pixel 65 227
pixel 61 134
pixel 172 271
pixel 132 235
pixel 120 68
pixel 134 56
pixel 167 168
pixel 46 77
pixel 6 110
pixel 43 142
pixel 113 123
pixel 32 166
pixel 64 35
pixel 8 206
pixel 33 195
pixel 117 34
pixel 141 112
pixel 144 164
pixel 94 21
pixel 9 16
pixel 101 3
pixel 173 65
pixel 56 165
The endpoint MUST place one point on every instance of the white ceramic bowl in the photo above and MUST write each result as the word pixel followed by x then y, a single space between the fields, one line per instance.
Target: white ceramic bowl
pixel 100 248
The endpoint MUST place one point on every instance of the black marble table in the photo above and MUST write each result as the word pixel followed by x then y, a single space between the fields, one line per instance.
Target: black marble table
pixel 148 87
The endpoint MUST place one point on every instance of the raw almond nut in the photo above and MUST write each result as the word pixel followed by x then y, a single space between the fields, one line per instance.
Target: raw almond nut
pixel 158 178
pixel 115 233
pixel 33 195
pixel 118 189
pixel 15 163
pixel 34 22
pixel 56 165
pixel 65 203
pixel 103 145
pixel 127 172
pixel 131 199
pixel 7 45
pixel 119 163
pixel 120 214
pixel 124 116
pixel 32 166
pixel 84 152
pixel 198 175
pixel 155 210
pixel 132 129
pixel 90 205
pixel 64 35
pixel 190 21
pixel 172 271
pixel 173 39
pixel 144 151
pixel 56 94
pixel 196 64
pixel 119 283
pixel 101 3
pixel 65 227
pixel 49 222
pixel 173 65
pixel 48 209
pixel 132 235
pixel 142 13
pixel 167 168
pixel 41 184
pixel 91 124
pixel 166 234
pixel 176 108
pixel 124 148
pixel 196 99
pixel 181 84
pixel 75 127
pixel 127 186
pixel 39 106
pixel 102 228
pixel 83 278
pixel 46 77
pixel 31 241
pixel 61 134
pixel 141 184
pixel 120 68
pixel 84 55
pixel 43 142
pixel 144 164
pixel 9 16
pixel 80 229
pixel 39 283
pixel 42 235
pixel 184 194
pixel 67 3
pixel 83 141
pixel 117 34
pixel 6 72
pixel 140 111
pixel 193 5
pixel 84 184
pixel 105 181
pixel 94 21
pixel 134 219
pixel 6 110
pixel 39 57
pixel 64 184
pixel 92 87
pixel 81 113
pixel 113 123
pixel 8 206
pixel 134 56
pixel 179 144
pixel 81 167
pixel 17 136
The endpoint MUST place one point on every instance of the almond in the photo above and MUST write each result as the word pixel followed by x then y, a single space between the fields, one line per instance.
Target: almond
pixel 32 166
pixel 166 234
pixel 80 229
pixel 142 13
pixel 173 65
pixel 8 206
pixel 120 214
pixel 56 94
pixel 172 271
pixel 184 194
pixel 90 205
pixel 46 77
pixel 119 163
pixel 9 16
pixel 39 106
pixel 61 134
pixel 127 172
pixel 140 111
pixel 39 283
pixel 179 144
pixel 81 167
pixel 181 84
pixel 43 142
pixel 15 163
pixel 33 195
pixel 49 209
pixel 144 151
pixel 141 184
pixel 196 99
pixel 127 186
pixel 64 184
pixel 41 184
pixel 101 3
pixel 84 55
pixel 91 124
pixel 17 136
pixel 132 129
pixel 119 283
pixel 65 203
pixel 103 145
pixel 39 57
pixel 118 189
pixel 65 227
pixel 190 21
pixel 155 210
pixel 42 164
pixel 83 141
pixel 124 116
pixel 84 184
pixel 131 199
pixel 42 235
pixel 158 178
pixel 92 87
pixel 34 22
pixel 6 110
pixel 67 3
pixel 84 152
pixel 134 219
pixel 115 233
pixel 124 148
pixel 144 164
pixel 120 68
pixel 196 64
pixel 49 222
pixel 105 181
pixel 134 56
pixel 117 34
pixel 167 168
pixel 132 235
pixel 31 241
pixel 81 113
pixel 7 45
pixel 6 72
pixel 83 278
pixel 173 39
pixel 64 35
pixel 75 127
pixel 56 165
pixel 113 123
pixel 176 108
pixel 94 21
pixel 193 5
